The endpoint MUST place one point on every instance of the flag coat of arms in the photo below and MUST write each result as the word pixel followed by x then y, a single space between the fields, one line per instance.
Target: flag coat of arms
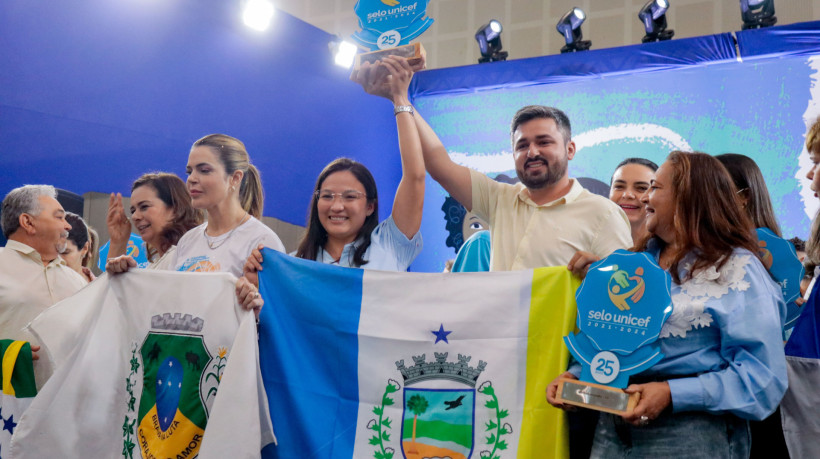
pixel 371 364
pixel 18 387
pixel 149 364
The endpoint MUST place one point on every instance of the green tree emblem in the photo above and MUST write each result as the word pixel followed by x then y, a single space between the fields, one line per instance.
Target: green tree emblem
pixel 417 405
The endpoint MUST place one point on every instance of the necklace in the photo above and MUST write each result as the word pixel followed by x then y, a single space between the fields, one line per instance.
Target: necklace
pixel 215 245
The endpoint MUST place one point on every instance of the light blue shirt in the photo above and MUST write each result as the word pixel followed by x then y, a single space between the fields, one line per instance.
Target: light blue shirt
pixel 389 249
pixel 474 254
pixel 725 328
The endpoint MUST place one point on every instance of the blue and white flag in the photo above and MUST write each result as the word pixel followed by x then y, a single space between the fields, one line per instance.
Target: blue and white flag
pixel 360 363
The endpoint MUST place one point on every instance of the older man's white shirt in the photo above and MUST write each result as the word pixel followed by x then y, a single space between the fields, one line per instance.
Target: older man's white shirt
pixel 27 288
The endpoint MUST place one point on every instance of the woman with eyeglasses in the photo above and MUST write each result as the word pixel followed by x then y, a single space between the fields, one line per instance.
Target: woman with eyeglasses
pixel 343 227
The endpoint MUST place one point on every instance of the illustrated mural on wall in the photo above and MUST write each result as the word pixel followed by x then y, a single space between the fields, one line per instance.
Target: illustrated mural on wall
pixel 648 115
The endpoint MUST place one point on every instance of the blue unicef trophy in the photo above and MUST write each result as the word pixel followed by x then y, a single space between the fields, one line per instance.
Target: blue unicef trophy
pixel 780 258
pixel 622 305
pixel 388 26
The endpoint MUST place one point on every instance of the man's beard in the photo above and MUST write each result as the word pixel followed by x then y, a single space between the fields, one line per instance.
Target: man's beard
pixel 61 245
pixel 553 174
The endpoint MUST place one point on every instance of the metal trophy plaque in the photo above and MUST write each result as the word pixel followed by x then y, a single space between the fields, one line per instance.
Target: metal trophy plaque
pixel 780 258
pixel 622 305
pixel 387 24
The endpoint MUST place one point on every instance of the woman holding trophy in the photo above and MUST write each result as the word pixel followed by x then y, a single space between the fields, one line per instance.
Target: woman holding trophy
pixel 723 360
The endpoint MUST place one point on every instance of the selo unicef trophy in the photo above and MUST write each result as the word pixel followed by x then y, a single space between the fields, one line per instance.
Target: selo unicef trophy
pixel 388 26
pixel 780 259
pixel 622 305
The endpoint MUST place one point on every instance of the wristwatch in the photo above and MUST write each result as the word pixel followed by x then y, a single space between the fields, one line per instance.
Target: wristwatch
pixel 403 108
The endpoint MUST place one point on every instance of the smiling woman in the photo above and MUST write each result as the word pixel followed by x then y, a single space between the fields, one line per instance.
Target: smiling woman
pixel 343 227
pixel 630 182
pixel 161 212
pixel 723 360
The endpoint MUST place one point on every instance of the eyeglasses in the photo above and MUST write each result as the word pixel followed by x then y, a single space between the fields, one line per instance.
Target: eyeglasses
pixel 347 195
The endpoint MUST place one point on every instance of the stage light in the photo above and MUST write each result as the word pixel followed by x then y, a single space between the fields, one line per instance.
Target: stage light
pixel 344 53
pixel 489 42
pixel 653 16
pixel 570 27
pixel 757 13
pixel 258 14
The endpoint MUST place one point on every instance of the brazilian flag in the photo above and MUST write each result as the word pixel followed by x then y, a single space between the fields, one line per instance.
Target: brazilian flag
pixel 172 415
pixel 18 387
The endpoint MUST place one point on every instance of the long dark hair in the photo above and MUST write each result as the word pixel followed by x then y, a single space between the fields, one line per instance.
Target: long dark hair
pixel 639 161
pixel 750 183
pixel 709 220
pixel 172 191
pixel 316 235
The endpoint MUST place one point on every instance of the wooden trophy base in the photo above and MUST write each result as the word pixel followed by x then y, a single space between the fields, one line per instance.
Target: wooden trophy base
pixel 596 396
pixel 414 53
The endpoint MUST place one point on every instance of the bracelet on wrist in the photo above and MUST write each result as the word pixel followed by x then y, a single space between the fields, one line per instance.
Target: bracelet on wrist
pixel 403 108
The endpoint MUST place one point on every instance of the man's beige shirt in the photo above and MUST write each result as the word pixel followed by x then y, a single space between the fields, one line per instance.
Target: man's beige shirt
pixel 27 288
pixel 525 235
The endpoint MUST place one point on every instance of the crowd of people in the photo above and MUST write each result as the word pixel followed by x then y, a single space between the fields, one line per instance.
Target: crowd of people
pixel 723 361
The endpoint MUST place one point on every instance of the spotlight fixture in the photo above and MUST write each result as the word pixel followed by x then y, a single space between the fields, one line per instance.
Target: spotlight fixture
pixel 757 13
pixel 257 14
pixel 489 42
pixel 570 27
pixel 344 52
pixel 653 16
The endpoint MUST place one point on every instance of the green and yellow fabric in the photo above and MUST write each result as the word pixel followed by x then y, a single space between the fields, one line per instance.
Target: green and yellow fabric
pixel 18 388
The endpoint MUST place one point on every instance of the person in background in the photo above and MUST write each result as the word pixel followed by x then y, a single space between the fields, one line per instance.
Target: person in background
pixel 629 183
pixel 474 254
pixel 78 246
pixel 799 407
pixel 752 190
pixel 767 435
pixel 723 361
pixel 90 260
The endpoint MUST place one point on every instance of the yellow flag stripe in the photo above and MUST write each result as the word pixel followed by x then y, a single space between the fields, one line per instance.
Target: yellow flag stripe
pixel 9 359
pixel 544 430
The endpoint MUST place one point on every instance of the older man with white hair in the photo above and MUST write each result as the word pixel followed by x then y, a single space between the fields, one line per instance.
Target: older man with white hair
pixel 32 274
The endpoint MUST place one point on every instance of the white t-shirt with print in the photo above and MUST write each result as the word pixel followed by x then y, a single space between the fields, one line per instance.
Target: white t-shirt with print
pixel 230 249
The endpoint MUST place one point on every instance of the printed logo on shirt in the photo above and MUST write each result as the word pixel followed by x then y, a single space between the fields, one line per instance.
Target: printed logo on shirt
pixel 200 264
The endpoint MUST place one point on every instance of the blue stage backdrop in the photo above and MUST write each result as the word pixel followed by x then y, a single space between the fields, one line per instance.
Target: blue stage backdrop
pixel 93 93
pixel 642 100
